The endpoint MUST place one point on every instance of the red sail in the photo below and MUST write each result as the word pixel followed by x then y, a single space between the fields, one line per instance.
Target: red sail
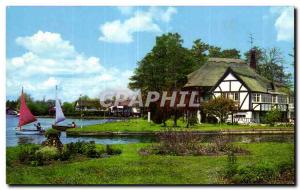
pixel 25 114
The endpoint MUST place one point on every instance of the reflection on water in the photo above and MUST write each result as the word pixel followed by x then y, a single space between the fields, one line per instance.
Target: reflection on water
pixel 12 139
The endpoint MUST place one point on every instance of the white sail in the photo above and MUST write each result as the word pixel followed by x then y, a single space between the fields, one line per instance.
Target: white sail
pixel 59 115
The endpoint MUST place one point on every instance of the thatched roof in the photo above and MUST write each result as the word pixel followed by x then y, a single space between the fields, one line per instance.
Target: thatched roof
pixel 209 74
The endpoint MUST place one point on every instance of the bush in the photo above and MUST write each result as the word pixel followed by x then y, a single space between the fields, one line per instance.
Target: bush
pixel 45 154
pixel 27 153
pixel 188 143
pixel 111 151
pixel 231 166
pixel 272 116
pixel 52 132
pixel 260 173
pixel 88 149
pixel 64 154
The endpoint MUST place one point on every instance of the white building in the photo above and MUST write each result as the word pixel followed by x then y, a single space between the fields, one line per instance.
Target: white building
pixel 234 79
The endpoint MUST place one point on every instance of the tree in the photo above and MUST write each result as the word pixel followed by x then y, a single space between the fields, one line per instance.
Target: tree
pixel 214 51
pixel 258 54
pixel 270 64
pixel 231 53
pixel 69 108
pixel 226 53
pixel 165 68
pixel 199 52
pixel 220 107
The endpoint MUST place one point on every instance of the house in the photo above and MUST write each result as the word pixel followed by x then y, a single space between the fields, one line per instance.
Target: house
pixel 124 109
pixel 10 111
pixel 87 105
pixel 235 79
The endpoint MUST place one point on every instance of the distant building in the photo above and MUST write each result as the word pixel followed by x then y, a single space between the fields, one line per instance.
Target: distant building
pixel 124 109
pixel 87 105
pixel 234 79
pixel 10 111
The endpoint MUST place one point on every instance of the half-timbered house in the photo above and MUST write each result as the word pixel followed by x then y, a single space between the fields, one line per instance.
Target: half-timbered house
pixel 239 81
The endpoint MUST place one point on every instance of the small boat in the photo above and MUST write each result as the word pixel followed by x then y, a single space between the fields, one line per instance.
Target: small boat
pixel 25 118
pixel 59 117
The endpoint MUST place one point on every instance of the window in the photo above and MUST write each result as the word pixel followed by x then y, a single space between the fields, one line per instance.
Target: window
pixel 233 96
pixel 266 98
pixel 256 98
pixel 282 99
pixel 266 107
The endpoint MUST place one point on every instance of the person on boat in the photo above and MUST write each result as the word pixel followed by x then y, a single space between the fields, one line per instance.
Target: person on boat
pixel 74 125
pixel 38 126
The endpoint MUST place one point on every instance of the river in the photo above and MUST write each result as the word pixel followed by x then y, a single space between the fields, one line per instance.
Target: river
pixel 13 140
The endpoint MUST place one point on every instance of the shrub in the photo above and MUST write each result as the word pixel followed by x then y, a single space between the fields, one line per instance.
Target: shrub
pixel 112 151
pixel 177 143
pixel 64 154
pixel 27 153
pixel 52 132
pixel 84 148
pixel 231 166
pixel 46 154
pixel 220 107
pixel 272 116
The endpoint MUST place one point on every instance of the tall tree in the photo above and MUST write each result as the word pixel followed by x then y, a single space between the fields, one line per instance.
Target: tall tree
pixel 199 52
pixel 164 68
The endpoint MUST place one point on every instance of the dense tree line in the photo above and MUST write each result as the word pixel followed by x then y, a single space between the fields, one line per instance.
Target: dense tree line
pixel 46 107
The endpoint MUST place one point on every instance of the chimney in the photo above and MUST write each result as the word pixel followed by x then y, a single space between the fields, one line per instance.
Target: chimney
pixel 253 59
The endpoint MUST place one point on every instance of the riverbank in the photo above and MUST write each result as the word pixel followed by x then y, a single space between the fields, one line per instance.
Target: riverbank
pixel 132 168
pixel 140 127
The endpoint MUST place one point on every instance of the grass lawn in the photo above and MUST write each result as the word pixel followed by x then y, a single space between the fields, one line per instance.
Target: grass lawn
pixel 141 125
pixel 131 168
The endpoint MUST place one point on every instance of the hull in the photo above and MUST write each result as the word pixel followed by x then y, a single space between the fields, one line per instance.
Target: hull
pixel 61 127
pixel 29 132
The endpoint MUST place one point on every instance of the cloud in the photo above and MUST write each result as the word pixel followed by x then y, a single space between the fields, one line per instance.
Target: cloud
pixel 50 60
pixel 118 31
pixel 284 23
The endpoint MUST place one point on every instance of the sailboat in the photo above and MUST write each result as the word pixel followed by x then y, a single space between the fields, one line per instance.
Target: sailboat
pixel 59 116
pixel 25 118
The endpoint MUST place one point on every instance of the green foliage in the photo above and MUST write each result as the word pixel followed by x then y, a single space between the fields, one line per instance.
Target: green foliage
pixel 220 107
pixel 257 173
pixel 272 116
pixel 227 53
pixel 68 108
pixel 89 149
pixel 52 132
pixel 44 155
pixel 270 64
pixel 112 151
pixel 27 153
pixel 262 172
pixel 231 166
pixel 133 168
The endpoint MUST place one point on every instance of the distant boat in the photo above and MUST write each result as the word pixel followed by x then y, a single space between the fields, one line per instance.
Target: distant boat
pixel 59 116
pixel 25 118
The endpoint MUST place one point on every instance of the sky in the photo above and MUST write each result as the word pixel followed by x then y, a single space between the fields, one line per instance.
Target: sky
pixel 88 50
